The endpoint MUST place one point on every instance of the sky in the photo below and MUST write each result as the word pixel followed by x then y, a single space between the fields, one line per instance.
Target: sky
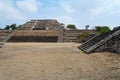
pixel 78 12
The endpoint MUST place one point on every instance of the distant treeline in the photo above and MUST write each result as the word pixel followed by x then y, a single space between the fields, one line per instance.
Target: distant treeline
pixel 100 29
pixel 10 27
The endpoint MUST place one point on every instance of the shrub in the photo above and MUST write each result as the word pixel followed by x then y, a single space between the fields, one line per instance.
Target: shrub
pixel 12 26
pixel 102 29
pixel 82 37
pixel 71 26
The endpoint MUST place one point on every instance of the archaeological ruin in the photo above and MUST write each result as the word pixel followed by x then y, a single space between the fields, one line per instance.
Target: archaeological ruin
pixel 4 36
pixel 109 41
pixel 51 30
pixel 48 30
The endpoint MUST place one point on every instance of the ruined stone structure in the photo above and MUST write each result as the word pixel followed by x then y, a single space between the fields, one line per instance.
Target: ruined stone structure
pixel 109 41
pixel 36 30
pixel 35 36
pixel 49 24
pixel 53 31
pixel 71 35
pixel 49 30
pixel 4 36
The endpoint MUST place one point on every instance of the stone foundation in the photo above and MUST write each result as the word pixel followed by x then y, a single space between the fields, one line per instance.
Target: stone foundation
pixel 33 39
pixel 48 35
pixel 71 35
pixel 34 36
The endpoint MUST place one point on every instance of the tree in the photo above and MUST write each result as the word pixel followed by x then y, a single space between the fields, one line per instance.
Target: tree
pixel 12 26
pixel 102 29
pixel 98 28
pixel 7 27
pixel 71 26
pixel 86 27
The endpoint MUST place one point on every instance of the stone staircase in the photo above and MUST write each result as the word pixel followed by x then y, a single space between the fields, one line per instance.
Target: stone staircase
pixel 48 24
pixel 4 36
pixel 40 25
pixel 99 40
pixel 28 26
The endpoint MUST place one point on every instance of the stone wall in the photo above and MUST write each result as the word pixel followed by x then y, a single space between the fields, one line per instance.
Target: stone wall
pixel 71 35
pixel 33 39
pixel 5 35
pixel 113 45
pixel 48 35
pixel 47 24
pixel 35 36
pixel 36 33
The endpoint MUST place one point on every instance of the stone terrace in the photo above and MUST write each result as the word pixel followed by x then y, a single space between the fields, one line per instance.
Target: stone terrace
pixel 49 24
pixel 35 36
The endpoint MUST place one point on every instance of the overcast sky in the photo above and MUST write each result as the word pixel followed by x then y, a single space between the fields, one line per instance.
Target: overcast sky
pixel 78 12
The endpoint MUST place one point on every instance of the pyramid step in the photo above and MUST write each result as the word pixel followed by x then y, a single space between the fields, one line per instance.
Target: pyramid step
pixel 4 36
pixel 99 40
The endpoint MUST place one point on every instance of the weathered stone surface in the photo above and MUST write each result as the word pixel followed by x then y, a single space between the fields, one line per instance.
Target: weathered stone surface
pixel 4 36
pixel 48 24
pixel 49 27
pixel 109 41
pixel 33 39
pixel 71 35
pixel 35 36
pixel 36 33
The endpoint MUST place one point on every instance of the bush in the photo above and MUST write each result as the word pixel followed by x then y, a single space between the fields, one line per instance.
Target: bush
pixel 83 36
pixel 12 26
pixel 71 26
pixel 102 29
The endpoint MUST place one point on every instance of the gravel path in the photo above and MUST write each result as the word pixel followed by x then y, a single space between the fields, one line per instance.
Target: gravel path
pixel 56 61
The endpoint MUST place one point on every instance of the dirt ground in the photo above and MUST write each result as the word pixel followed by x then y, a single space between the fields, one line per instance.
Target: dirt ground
pixel 56 61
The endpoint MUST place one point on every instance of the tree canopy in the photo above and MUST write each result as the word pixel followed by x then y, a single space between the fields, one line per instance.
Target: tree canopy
pixel 71 26
pixel 86 27
pixel 12 27
pixel 102 29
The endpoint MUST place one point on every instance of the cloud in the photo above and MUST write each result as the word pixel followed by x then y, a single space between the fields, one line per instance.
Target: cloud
pixel 82 12
pixel 93 7
pixel 78 5
pixel 67 6
pixel 29 5
pixel 107 7
pixel 65 19
pixel 7 11
pixel 93 12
